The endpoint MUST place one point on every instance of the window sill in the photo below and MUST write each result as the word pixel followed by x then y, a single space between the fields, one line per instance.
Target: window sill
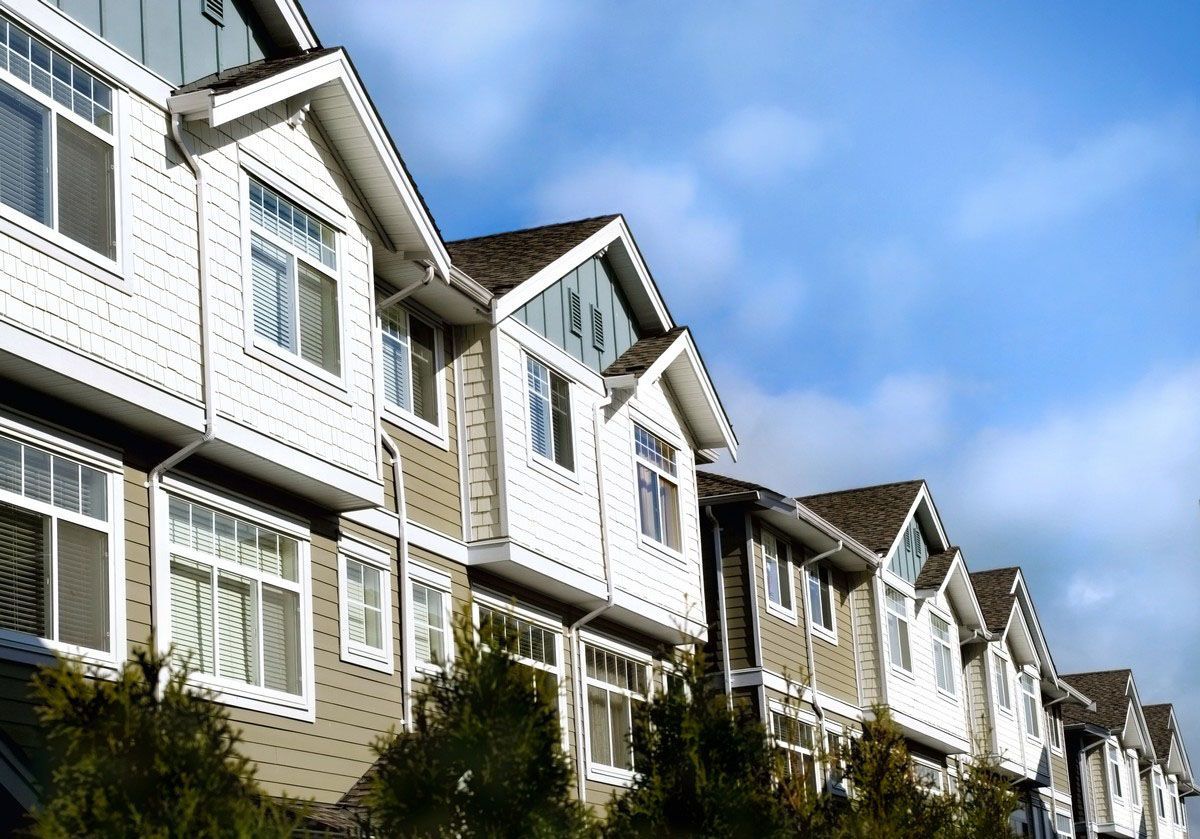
pixel 252 699
pixel 56 246
pixel 296 368
pixel 948 696
pixel 551 470
pixel 373 660
pixel 650 546
pixel 609 775
pixel 782 613
pixel 424 670
pixel 26 649
pixel 437 435
pixel 824 634
pixel 906 675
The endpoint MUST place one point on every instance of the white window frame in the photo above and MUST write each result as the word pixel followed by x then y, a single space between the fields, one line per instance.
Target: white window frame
pixel 259 347
pixel 24 648
pixel 227 691
pixel 1114 760
pixel 836 731
pixel 938 788
pixel 1069 833
pixel 439 581
pixel 897 666
pixel 364 655
pixel 802 718
pixel 47 239
pixel 1031 704
pixel 599 771
pixel 545 620
pixel 823 574
pixel 548 465
pixel 784 566
pixel 1135 779
pixel 436 433
pixel 671 440
pixel 949 646
pixel 1002 679
pixel 1054 727
pixel 1176 804
pixel 1160 794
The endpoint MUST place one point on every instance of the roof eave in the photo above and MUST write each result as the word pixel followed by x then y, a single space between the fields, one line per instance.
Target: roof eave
pixel 705 414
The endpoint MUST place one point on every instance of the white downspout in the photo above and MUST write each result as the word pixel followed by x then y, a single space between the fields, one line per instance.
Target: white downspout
pixel 610 599
pixel 880 653
pixel 207 388
pixel 719 565
pixel 808 635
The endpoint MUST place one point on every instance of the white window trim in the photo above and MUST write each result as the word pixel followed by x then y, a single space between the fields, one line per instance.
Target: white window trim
pixel 1006 675
pixel 48 240
pixel 836 730
pixel 545 620
pixel 545 465
pixel 1036 696
pixel 352 652
pixel 940 788
pixel 894 665
pixel 261 348
pixel 436 433
pixel 1159 785
pixel 952 646
pixel 1054 723
pixel 801 716
pixel 598 771
pixel 419 574
pixel 251 697
pixel 646 542
pixel 830 635
pixel 1111 750
pixel 26 649
pixel 786 568
pixel 1135 777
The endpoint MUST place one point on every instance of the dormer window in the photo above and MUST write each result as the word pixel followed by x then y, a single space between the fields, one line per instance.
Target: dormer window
pixel 910 554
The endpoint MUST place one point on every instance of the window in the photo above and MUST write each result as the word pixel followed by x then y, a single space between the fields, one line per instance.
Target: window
pixel 365 605
pixel 820 598
pixel 1176 809
pixel 1032 706
pixel 928 775
pixel 1159 795
pixel 1114 771
pixel 534 646
pixel 1134 780
pixel 777 571
pixel 897 617
pixel 235 594
pixel 837 753
pixel 1003 690
pixel 550 415
pixel 943 655
pixel 1054 726
pixel 796 742
pixel 412 372
pixel 1065 827
pixel 293 269
pixel 658 488
pixel 616 687
pixel 431 613
pixel 56 546
pixel 56 142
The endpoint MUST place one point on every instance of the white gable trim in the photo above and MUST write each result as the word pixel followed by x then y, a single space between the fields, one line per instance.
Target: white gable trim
pixel 958 570
pixel 286 23
pixel 923 497
pixel 1134 714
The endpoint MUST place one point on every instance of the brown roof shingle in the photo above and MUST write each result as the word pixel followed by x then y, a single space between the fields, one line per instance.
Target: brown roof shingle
pixel 993 589
pixel 502 261
pixel 872 515
pixel 1107 690
pixel 710 484
pixel 1158 720
pixel 233 78
pixel 638 358
pixel 935 569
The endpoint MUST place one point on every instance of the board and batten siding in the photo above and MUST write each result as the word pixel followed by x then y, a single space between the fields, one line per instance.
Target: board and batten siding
pixel 431 474
pixel 173 37
pixel 836 675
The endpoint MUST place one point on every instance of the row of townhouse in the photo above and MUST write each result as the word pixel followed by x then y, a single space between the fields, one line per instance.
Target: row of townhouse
pixel 825 608
pixel 254 405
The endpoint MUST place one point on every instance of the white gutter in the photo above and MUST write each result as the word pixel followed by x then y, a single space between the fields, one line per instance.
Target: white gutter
pixel 207 387
pixel 808 635
pixel 719 573
pixel 610 599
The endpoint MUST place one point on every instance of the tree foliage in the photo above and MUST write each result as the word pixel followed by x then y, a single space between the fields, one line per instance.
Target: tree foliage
pixel 485 758
pixel 145 756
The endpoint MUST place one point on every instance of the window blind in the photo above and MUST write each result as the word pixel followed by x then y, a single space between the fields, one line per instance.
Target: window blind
pixel 24 155
pixel 191 615
pixel 236 630
pixel 270 269
pixel 539 408
pixel 23 571
pixel 281 639
pixel 396 374
pixel 83 586
pixel 317 309
pixel 85 189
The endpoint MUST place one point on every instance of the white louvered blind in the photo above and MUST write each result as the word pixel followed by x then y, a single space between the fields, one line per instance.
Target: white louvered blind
pixel 24 155
pixel 410 364
pixel 83 586
pixel 397 380
pixel 364 604
pixel 539 408
pixel 317 306
pixel 429 624
pixel 86 206
pixel 270 269
pixel 281 640
pixel 192 615
pixel 237 622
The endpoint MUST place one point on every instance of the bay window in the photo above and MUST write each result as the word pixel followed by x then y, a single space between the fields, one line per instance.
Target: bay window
pixel 820 599
pixel 365 605
pixel 777 571
pixel 56 142
pixel 235 589
pixel 1032 705
pixel 898 640
pixel 412 373
pixel 616 688
pixel 658 488
pixel 293 279
pixel 550 431
pixel 943 655
pixel 56 551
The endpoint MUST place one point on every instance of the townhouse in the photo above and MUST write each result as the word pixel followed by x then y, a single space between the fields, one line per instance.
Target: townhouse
pixel 1130 771
pixel 254 406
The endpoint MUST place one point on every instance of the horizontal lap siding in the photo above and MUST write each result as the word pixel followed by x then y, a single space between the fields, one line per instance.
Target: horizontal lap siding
pixel 479 417
pixel 835 662
pixel 738 606
pixel 862 601
pixel 783 649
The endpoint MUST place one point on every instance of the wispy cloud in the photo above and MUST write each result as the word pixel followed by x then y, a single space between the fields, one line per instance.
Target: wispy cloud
pixel 1040 187
pixel 764 144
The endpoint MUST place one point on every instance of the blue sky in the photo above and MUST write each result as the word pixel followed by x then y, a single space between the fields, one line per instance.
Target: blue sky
pixel 953 241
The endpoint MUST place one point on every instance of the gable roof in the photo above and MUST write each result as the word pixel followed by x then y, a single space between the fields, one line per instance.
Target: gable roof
pixel 1158 720
pixel 934 571
pixel 873 515
pixel 502 261
pixel 712 485
pixel 233 78
pixel 1109 689
pixel 994 588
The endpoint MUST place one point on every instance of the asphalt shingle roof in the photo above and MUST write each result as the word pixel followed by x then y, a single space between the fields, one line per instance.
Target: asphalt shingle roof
pixel 233 78
pixel 709 484
pixel 993 589
pixel 638 358
pixel 502 261
pixel 872 515
pixel 1107 690
pixel 935 569
pixel 1158 720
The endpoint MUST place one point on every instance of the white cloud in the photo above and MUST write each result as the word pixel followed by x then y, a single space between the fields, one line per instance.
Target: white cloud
pixel 762 143
pixel 468 74
pixel 1039 187
pixel 692 248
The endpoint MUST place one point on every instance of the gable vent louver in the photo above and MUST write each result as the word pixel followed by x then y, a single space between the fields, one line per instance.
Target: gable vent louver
pixel 574 312
pixel 214 10
pixel 597 329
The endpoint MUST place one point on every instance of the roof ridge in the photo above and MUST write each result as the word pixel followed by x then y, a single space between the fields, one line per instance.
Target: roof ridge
pixel 1010 568
pixel 865 488
pixel 533 228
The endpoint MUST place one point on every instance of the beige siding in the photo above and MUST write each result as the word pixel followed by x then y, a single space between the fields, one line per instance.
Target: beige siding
pixel 863 602
pixel 783 648
pixel 738 607
pixel 835 662
pixel 978 701
pixel 1098 785
pixel 479 414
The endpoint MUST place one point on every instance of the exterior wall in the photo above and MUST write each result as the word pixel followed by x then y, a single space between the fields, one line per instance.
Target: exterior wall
pixel 739 607
pixel 783 649
pixel 836 673
pixel 479 414
pixel 866 625
pixel 173 38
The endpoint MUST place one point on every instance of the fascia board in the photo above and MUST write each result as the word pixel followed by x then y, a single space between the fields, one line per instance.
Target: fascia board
pixel 227 107
pixel 1021 591
pixel 1135 706
pixel 684 347
pixel 285 17
pixel 958 568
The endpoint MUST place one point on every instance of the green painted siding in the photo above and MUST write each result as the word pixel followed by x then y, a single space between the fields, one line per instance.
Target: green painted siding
pixel 172 37
pixel 549 314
